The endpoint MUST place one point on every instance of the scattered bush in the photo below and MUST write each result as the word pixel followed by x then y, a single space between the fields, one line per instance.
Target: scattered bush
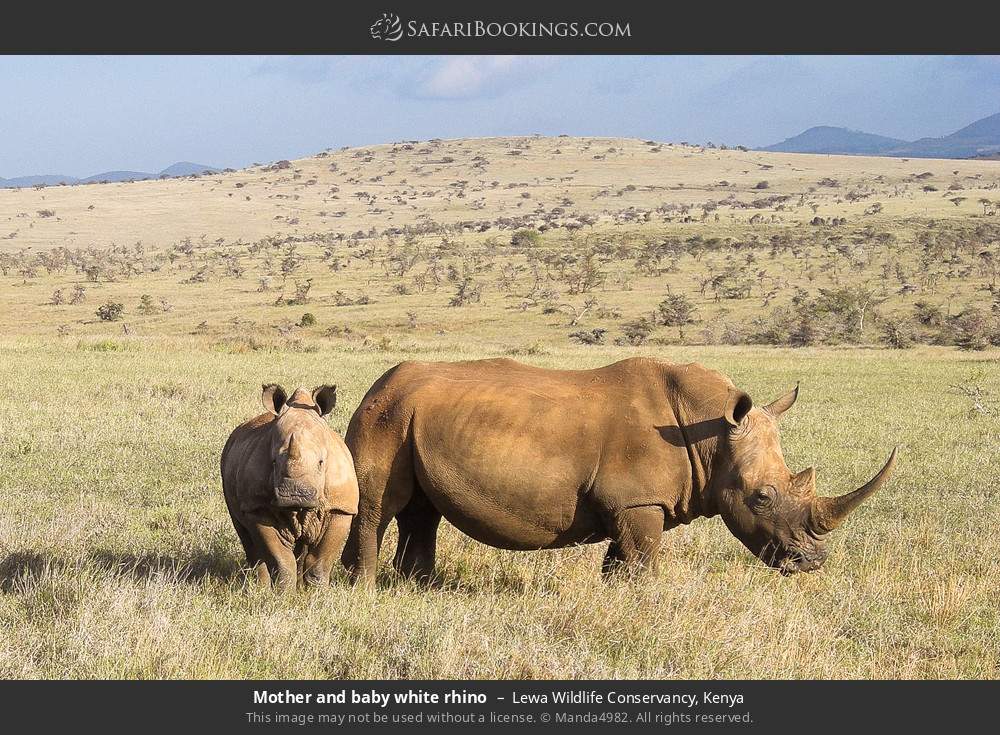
pixel 110 312
pixel 896 333
pixel 146 305
pixel 928 314
pixel 677 310
pixel 974 329
pixel 589 336
pixel 526 239
pixel 637 331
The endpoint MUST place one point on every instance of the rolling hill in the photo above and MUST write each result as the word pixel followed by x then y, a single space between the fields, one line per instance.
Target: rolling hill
pixel 491 184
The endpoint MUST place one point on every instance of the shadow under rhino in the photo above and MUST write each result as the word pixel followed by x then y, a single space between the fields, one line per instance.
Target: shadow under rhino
pixel 30 567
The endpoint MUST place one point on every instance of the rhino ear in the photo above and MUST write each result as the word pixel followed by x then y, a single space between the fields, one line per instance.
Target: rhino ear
pixel 738 405
pixel 326 398
pixel 273 397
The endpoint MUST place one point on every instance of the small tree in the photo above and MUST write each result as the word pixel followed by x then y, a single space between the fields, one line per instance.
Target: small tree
pixel 676 311
pixel 974 330
pixel 928 314
pixel 896 333
pixel 526 239
pixel 636 332
pixel 146 305
pixel 589 336
pixel 110 312
pixel 466 293
pixel 805 332
pixel 301 293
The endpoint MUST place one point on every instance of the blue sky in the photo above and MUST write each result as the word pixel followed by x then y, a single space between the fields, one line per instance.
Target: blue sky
pixel 82 115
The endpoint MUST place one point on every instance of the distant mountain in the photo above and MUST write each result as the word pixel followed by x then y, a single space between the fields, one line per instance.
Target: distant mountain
pixel 117 176
pixel 43 180
pixel 826 139
pixel 182 168
pixel 980 139
pixel 186 168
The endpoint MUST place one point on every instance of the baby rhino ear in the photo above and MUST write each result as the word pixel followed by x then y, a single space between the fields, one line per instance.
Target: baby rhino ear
pixel 273 397
pixel 325 398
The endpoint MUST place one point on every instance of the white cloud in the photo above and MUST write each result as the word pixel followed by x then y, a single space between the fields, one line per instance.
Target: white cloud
pixel 462 77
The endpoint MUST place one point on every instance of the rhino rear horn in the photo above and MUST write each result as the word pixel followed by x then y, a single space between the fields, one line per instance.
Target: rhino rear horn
pixel 829 513
pixel 779 406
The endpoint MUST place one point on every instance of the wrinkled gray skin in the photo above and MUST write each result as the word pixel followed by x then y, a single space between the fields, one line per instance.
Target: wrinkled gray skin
pixel 520 457
pixel 290 488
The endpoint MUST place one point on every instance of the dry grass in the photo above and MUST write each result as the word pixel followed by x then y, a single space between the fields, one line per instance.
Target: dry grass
pixel 119 559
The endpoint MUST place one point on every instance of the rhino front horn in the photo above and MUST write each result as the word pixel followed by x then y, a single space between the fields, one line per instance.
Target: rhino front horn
pixel 294 450
pixel 829 513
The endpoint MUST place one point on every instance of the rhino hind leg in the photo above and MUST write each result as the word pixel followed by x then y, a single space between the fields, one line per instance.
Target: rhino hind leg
pixel 386 484
pixel 635 540
pixel 418 526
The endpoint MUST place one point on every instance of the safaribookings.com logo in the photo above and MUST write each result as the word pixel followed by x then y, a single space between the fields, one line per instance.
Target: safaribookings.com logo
pixel 387 28
pixel 390 28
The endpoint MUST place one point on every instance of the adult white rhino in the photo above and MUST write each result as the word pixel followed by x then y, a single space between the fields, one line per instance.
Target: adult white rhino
pixel 520 457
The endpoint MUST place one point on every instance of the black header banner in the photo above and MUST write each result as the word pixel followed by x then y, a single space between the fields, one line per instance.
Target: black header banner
pixel 500 28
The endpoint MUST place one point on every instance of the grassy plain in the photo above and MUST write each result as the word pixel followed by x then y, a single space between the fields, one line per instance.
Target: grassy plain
pixel 117 558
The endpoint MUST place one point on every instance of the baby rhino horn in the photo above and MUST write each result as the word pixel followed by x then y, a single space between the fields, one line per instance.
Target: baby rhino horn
pixel 294 450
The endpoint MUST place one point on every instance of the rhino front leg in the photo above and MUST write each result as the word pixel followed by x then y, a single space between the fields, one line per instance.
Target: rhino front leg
pixel 277 555
pixel 320 559
pixel 635 539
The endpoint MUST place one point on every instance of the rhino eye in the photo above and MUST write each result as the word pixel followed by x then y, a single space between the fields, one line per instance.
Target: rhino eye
pixel 762 500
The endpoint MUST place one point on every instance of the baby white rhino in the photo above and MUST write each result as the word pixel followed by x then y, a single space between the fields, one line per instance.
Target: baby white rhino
pixel 290 487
